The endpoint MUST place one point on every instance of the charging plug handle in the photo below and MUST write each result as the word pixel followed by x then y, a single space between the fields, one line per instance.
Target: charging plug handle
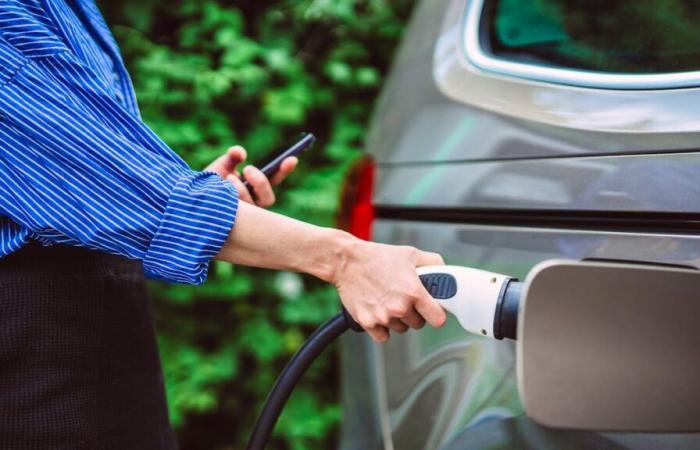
pixel 484 303
pixel 444 287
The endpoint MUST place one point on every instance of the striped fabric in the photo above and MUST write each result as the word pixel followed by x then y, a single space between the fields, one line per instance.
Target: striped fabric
pixel 77 164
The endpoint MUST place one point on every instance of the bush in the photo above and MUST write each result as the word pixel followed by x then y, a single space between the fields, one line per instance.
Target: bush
pixel 212 74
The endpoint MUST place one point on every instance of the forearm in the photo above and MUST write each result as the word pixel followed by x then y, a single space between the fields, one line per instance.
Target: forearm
pixel 265 239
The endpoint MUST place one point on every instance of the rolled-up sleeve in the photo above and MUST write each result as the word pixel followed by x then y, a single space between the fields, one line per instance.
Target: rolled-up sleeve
pixel 77 168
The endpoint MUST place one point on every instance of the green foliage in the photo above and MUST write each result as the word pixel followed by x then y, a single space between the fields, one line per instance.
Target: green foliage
pixel 211 74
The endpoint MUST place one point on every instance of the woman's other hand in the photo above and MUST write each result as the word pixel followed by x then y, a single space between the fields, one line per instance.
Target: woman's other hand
pixel 226 166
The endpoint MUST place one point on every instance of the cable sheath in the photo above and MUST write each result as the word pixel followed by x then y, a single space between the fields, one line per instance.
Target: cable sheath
pixel 288 379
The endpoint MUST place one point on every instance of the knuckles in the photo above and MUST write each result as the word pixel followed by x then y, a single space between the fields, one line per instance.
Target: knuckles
pixel 383 317
pixel 412 252
pixel 415 293
pixel 366 321
pixel 397 309
pixel 439 261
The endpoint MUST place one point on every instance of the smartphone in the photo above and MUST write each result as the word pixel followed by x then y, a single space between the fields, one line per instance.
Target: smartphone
pixel 275 161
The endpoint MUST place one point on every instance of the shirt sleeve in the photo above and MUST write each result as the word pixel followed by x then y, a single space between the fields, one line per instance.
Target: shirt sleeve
pixel 77 168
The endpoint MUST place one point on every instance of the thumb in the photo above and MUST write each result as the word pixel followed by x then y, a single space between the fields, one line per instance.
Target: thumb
pixel 226 164
pixel 234 156
pixel 429 259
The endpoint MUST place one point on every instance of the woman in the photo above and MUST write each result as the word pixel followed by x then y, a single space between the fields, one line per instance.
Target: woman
pixel 91 202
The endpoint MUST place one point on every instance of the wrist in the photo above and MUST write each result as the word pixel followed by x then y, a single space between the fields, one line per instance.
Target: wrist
pixel 335 247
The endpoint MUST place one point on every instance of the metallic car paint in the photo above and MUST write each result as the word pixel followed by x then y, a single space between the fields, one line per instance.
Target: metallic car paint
pixel 659 182
pixel 446 134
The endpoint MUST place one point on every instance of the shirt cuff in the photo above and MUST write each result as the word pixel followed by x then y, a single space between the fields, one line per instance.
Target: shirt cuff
pixel 197 220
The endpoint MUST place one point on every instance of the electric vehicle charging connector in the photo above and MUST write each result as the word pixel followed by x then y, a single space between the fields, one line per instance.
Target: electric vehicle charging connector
pixel 481 301
pixel 485 303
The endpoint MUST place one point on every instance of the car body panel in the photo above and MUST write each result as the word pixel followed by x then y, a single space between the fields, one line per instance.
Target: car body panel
pixel 661 183
pixel 436 107
pixel 477 374
pixel 501 173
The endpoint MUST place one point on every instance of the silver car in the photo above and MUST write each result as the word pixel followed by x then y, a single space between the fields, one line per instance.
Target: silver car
pixel 511 132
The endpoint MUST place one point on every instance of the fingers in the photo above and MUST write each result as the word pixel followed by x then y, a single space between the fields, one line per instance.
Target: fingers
pixel 413 319
pixel 398 325
pixel 226 164
pixel 287 167
pixel 236 155
pixel 243 192
pixel 378 334
pixel 430 310
pixel 383 320
pixel 427 307
pixel 261 185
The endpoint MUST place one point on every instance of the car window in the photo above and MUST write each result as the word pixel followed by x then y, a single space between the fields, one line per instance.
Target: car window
pixel 621 36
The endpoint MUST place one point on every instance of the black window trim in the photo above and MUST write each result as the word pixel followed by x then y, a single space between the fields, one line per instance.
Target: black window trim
pixel 647 222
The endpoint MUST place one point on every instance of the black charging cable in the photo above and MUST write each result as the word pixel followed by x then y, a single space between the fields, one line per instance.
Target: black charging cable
pixel 296 367
pixel 505 326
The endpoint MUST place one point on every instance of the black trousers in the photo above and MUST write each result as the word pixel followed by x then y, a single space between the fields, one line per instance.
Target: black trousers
pixel 79 364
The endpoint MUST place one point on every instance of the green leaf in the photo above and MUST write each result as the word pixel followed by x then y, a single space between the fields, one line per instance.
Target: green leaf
pixel 367 76
pixel 223 270
pixel 263 340
pixel 339 72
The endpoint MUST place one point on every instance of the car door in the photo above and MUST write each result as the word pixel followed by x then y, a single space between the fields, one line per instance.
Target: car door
pixel 511 132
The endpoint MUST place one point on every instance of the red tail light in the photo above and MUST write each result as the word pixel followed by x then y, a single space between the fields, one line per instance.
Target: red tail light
pixel 356 210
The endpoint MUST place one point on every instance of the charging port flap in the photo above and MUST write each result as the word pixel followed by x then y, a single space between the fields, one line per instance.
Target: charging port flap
pixel 611 346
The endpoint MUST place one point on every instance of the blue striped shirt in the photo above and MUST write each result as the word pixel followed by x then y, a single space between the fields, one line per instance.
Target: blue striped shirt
pixel 77 164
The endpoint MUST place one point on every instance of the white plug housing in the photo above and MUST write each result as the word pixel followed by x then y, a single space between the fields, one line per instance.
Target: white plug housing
pixel 476 298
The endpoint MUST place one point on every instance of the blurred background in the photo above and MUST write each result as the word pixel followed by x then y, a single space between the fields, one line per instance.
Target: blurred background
pixel 210 74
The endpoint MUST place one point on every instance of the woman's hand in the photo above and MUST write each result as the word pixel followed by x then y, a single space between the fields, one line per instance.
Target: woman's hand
pixel 379 287
pixel 377 283
pixel 226 166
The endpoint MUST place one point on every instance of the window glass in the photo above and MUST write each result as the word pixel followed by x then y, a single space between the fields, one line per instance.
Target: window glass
pixel 623 36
